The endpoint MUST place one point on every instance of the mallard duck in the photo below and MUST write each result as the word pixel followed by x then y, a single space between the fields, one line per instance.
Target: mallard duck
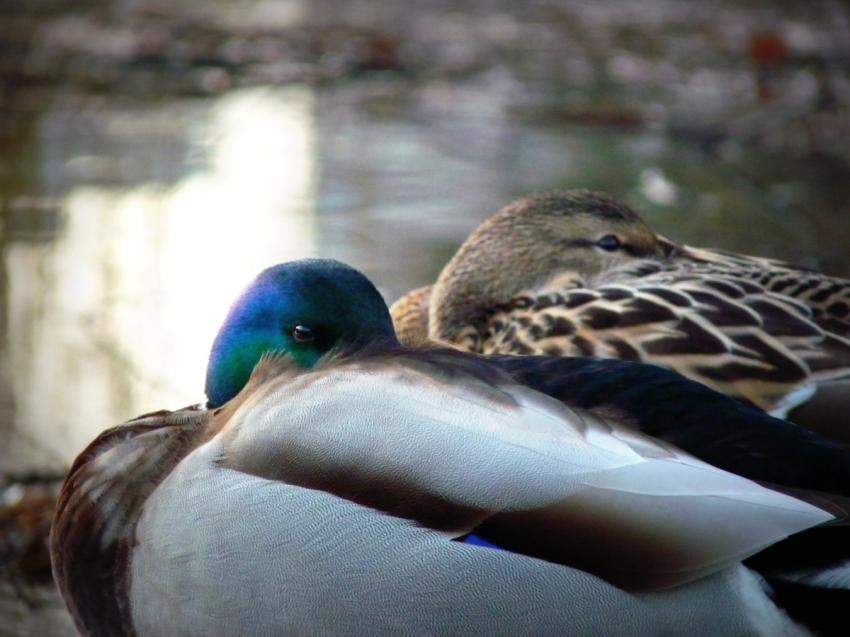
pixel 338 483
pixel 576 273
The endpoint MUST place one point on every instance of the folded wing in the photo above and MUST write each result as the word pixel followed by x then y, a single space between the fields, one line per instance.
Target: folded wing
pixel 462 452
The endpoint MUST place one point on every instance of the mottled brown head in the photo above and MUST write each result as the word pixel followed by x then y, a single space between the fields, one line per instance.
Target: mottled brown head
pixel 531 241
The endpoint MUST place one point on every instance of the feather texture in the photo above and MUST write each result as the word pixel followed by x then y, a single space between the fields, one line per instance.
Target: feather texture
pixel 329 500
pixel 533 469
pixel 531 280
pixel 270 513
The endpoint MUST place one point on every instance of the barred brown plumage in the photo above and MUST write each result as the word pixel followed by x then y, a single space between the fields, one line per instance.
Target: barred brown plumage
pixel 529 280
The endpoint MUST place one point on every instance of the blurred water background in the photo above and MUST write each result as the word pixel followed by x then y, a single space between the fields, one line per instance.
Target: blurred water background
pixel 154 155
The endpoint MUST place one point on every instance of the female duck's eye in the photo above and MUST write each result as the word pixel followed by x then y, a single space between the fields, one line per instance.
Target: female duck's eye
pixel 302 333
pixel 609 242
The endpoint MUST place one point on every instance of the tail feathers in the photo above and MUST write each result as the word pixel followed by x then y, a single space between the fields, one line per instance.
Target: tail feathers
pixel 837 577
pixel 821 610
pixel 809 574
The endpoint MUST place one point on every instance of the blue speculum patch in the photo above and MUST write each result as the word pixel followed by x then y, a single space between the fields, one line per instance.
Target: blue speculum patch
pixel 475 540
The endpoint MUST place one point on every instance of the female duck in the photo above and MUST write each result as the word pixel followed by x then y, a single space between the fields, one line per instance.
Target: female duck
pixel 353 487
pixel 575 273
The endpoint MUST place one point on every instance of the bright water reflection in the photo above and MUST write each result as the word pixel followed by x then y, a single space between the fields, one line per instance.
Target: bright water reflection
pixel 117 314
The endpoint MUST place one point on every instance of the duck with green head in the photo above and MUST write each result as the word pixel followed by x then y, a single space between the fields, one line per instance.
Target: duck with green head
pixel 578 273
pixel 304 309
pixel 342 484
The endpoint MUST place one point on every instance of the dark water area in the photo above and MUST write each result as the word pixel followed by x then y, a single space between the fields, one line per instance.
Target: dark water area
pixel 155 155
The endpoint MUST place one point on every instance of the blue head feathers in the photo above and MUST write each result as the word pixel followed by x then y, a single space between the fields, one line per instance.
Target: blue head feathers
pixel 304 308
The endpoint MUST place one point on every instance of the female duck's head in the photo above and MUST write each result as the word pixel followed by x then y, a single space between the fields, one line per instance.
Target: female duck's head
pixel 304 308
pixel 570 232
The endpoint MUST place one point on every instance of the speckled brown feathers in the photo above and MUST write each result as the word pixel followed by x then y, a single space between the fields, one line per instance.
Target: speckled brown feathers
pixel 96 514
pixel 532 279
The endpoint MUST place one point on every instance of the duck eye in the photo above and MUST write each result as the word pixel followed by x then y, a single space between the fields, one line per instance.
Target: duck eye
pixel 609 243
pixel 302 333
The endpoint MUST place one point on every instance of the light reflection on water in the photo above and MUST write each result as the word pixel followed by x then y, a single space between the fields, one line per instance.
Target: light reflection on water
pixel 168 209
pixel 115 317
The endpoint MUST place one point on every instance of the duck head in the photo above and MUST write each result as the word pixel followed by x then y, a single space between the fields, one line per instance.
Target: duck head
pixel 302 308
pixel 565 233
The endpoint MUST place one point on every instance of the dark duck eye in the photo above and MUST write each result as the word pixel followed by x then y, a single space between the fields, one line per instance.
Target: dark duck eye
pixel 302 333
pixel 609 243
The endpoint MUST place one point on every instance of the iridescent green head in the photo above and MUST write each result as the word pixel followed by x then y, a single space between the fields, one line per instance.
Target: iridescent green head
pixel 304 308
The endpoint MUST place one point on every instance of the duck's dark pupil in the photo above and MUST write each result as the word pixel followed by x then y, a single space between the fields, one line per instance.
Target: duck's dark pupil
pixel 609 242
pixel 302 333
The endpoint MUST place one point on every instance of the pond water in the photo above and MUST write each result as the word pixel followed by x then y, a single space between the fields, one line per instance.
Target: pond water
pixel 153 159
